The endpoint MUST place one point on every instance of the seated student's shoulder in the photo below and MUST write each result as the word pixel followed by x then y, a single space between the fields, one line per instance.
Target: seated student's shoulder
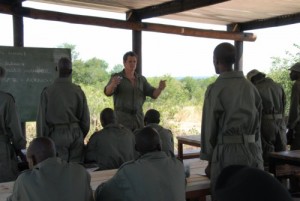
pixel 75 166
pixel 127 164
pixel 125 130
pixel 25 175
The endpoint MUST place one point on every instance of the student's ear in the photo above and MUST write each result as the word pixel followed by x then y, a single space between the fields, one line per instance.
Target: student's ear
pixel 34 160
pixel 31 161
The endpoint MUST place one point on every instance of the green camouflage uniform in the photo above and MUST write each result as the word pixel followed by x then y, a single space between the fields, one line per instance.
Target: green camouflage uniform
pixel 111 147
pixel 294 115
pixel 64 117
pixel 53 180
pixel 129 100
pixel 11 138
pixel 166 137
pixel 273 129
pixel 230 132
pixel 153 177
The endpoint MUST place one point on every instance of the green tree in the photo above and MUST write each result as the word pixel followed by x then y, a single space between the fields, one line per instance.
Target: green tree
pixel 196 88
pixel 74 53
pixel 117 68
pixel 280 71
pixel 90 72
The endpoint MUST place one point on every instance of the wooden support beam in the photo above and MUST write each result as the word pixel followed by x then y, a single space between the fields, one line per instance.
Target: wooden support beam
pixel 271 22
pixel 137 48
pixel 137 26
pixel 169 7
pixel 238 65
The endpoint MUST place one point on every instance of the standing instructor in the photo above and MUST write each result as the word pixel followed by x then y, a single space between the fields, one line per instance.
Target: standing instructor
pixel 129 90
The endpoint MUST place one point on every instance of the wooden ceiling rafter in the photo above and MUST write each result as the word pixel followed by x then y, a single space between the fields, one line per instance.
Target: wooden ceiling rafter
pixel 168 8
pixel 271 22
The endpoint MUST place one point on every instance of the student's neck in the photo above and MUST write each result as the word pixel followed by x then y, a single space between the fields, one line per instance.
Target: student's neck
pixel 224 70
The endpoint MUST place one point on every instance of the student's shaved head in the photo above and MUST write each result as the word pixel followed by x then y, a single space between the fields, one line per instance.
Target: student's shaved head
pixel 147 140
pixel 40 149
pixel 225 53
pixel 64 67
pixel 107 116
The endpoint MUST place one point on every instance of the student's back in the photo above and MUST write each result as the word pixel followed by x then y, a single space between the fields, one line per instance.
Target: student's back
pixel 152 177
pixel 111 147
pixel 50 178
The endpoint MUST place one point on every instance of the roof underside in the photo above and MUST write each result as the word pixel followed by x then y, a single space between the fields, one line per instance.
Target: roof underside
pixel 218 12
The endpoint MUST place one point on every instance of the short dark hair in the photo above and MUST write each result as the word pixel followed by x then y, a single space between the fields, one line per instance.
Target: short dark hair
pixel 107 116
pixel 152 116
pixel 127 54
pixel 64 66
pixel 147 140
pixel 41 148
pixel 225 53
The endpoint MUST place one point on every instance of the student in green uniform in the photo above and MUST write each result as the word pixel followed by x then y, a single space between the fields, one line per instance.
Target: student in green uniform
pixel 111 146
pixel 51 178
pixel 293 125
pixel 129 91
pixel 64 114
pixel 152 118
pixel 273 128
pixel 154 176
pixel 11 137
pixel 230 131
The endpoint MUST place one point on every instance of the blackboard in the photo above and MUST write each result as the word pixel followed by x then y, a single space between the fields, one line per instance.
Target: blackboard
pixel 28 71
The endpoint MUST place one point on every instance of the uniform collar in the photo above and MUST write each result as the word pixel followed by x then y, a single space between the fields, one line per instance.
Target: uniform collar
pixel 154 155
pixel 48 162
pixel 63 79
pixel 124 75
pixel 231 74
pixel 114 125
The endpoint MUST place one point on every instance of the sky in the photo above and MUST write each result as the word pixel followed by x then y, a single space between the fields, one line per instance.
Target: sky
pixel 163 54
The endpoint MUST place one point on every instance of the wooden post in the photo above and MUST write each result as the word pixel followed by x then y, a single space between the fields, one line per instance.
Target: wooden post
pixel 137 48
pixel 18 28
pixel 238 66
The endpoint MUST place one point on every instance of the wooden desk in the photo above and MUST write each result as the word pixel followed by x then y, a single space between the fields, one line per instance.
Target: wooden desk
pixel 277 159
pixel 193 140
pixel 197 185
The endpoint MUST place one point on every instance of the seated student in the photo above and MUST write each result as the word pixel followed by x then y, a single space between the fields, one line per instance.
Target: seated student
pixel 152 118
pixel 50 178
pixel 243 183
pixel 111 146
pixel 154 176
